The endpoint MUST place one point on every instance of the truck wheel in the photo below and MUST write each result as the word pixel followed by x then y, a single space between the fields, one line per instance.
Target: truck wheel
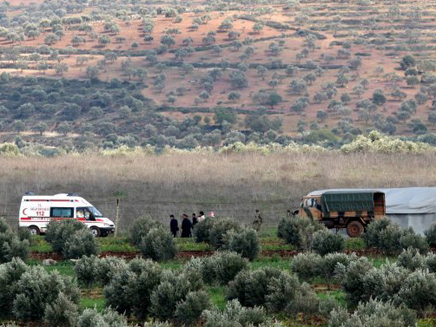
pixel 95 231
pixel 34 230
pixel 355 229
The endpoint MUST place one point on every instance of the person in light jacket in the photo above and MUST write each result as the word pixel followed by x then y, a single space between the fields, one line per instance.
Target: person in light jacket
pixel 201 216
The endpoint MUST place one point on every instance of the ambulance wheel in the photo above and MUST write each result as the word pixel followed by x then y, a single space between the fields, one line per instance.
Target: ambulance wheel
pixel 34 230
pixel 355 229
pixel 95 231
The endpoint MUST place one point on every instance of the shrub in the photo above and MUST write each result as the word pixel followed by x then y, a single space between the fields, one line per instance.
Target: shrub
pixel 4 226
pixel 10 274
pixel 190 310
pixel 37 288
pixel 130 289
pixel 298 231
pixel 86 270
pixel 429 233
pixel 391 238
pixel 234 314
pixel 281 291
pixel 246 243
pixel 202 230
pixel 375 142
pixel 59 232
pixel 119 292
pixel 326 267
pixel 61 312
pixel 325 242
pixel 327 305
pixel 219 230
pixel 411 259
pixel 158 245
pixel 274 289
pixel 250 288
pixel 172 289
pixel 107 267
pixel 409 239
pixel 252 317
pixel 338 317
pixel 372 235
pixel 430 262
pixel 418 290
pixel 12 247
pixel 352 278
pixel 24 234
pixel 194 269
pixel 374 314
pixel 106 318
pixel 383 283
pixel 81 243
pixel 222 267
pixel 140 229
pixel 91 270
pixel 304 265
pixel 305 301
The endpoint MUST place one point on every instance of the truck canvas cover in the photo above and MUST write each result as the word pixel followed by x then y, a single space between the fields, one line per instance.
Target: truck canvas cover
pixel 337 201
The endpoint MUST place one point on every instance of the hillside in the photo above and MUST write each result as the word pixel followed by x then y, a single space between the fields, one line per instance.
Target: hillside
pixel 88 74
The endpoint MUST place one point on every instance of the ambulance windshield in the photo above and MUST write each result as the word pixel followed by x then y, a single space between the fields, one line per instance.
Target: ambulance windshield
pixel 95 212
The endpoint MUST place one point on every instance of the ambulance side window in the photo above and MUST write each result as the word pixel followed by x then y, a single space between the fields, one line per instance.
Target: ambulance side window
pixel 62 212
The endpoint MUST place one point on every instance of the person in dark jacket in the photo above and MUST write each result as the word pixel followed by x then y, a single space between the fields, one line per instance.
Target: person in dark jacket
pixel 186 226
pixel 174 225
pixel 194 219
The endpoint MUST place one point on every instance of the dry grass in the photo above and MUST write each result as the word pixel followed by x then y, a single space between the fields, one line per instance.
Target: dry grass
pixel 232 185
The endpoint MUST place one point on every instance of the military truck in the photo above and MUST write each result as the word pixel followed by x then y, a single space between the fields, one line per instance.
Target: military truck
pixel 350 209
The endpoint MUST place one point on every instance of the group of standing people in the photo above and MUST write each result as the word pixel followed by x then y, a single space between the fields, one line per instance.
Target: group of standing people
pixel 187 224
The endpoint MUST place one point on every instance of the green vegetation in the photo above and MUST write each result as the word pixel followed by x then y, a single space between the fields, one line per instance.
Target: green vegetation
pixel 323 286
pixel 93 302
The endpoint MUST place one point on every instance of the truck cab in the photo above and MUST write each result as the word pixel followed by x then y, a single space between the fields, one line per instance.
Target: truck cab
pixel 311 207
pixel 349 209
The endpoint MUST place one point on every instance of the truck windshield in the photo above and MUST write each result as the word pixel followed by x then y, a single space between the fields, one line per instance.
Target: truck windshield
pixel 95 212
pixel 310 203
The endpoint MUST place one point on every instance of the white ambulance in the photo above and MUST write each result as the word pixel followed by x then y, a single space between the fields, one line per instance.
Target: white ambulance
pixel 38 210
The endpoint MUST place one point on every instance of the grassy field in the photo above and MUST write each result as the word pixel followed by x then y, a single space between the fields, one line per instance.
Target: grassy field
pixel 230 185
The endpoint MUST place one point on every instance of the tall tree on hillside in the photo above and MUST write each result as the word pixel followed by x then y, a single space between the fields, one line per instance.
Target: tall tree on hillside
pixel 40 128
pixel 64 128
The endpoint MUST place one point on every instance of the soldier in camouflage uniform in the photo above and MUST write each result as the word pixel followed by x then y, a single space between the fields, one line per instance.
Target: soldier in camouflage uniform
pixel 257 223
